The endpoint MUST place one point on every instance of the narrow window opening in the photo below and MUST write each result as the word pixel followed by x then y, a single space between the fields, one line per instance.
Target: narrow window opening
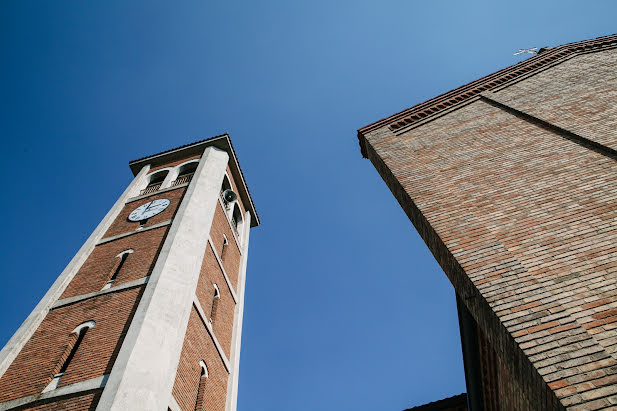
pixel 215 302
pixel 116 268
pixel 75 341
pixel 225 186
pixel 224 247
pixel 80 338
pixel 237 221
pixel 201 388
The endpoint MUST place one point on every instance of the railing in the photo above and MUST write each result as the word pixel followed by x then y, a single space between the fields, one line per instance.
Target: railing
pixel 150 189
pixel 182 180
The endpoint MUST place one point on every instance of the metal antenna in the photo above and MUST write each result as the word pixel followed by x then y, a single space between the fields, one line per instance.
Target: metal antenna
pixel 533 50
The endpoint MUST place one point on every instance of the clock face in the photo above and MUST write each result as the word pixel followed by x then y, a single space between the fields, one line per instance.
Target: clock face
pixel 145 211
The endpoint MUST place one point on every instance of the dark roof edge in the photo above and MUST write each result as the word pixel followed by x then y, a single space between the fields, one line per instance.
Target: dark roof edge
pixel 441 404
pixel 222 141
pixel 545 57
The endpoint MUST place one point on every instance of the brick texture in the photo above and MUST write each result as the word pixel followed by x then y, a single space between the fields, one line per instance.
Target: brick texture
pixel 522 220
pixel 198 346
pixel 86 401
pixel 231 256
pixel 95 356
pixel 100 263
pixel 175 163
pixel 588 108
pixel 211 274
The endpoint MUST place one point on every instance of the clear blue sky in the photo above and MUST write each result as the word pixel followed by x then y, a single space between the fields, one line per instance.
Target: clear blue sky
pixel 346 308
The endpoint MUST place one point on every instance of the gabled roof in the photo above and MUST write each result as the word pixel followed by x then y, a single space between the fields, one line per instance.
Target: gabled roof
pixel 222 142
pixel 545 57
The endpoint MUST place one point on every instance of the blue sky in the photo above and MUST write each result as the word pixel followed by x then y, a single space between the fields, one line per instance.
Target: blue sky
pixel 346 308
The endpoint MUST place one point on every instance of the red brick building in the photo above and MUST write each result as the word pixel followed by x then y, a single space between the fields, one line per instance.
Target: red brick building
pixel 148 314
pixel 511 181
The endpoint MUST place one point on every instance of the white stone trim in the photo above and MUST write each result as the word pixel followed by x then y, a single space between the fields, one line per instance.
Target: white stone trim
pixel 145 369
pixel 162 190
pixel 173 404
pixel 171 176
pixel 29 326
pixel 53 384
pixel 220 263
pixel 204 367
pixel 217 344
pixel 82 386
pixel 129 251
pixel 124 286
pixel 87 324
pixel 143 230
pixel 236 335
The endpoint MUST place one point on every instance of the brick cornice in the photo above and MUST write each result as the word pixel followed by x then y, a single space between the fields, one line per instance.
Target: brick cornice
pixel 546 57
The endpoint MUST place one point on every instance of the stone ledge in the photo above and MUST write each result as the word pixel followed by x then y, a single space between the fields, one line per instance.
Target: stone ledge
pixel 78 387
pixel 119 236
pixel 71 300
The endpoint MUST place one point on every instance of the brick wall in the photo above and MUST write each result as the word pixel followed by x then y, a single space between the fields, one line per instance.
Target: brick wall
pixel 211 274
pixel 34 367
pixel 78 402
pixel 231 257
pixel 578 94
pixel 521 218
pixel 99 266
pixel 198 346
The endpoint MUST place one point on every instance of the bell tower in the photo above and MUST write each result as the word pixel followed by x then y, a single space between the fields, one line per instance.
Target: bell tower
pixel 148 314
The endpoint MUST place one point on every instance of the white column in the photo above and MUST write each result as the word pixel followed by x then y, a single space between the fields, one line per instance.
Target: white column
pixel 171 176
pixel 29 326
pixel 143 375
pixel 236 336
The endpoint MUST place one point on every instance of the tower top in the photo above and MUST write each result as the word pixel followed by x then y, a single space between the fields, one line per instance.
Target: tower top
pixel 222 142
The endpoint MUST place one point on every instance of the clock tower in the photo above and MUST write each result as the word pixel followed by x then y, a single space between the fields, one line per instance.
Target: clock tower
pixel 148 314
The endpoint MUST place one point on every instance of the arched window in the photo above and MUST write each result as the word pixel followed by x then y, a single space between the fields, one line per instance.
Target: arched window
pixel 75 340
pixel 236 219
pixel 185 173
pixel 203 378
pixel 215 302
pixel 113 273
pixel 225 186
pixel 154 183
pixel 224 247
